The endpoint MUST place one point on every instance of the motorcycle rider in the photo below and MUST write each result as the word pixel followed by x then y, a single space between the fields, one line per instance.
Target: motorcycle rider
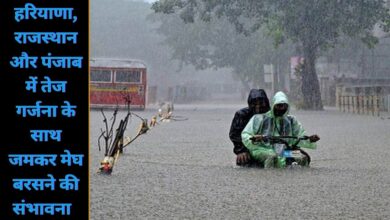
pixel 276 122
pixel 258 103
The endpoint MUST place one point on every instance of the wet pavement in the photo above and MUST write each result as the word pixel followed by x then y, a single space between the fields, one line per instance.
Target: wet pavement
pixel 185 170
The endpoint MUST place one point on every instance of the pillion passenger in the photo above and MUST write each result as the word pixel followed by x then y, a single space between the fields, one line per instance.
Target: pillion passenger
pixel 258 103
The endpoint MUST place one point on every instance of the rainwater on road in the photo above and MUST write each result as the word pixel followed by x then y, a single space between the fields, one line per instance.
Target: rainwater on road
pixel 186 170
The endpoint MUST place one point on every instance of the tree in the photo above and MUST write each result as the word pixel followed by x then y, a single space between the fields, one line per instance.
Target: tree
pixel 216 44
pixel 314 25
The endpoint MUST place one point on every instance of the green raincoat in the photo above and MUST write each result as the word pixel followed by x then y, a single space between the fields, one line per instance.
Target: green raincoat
pixel 270 125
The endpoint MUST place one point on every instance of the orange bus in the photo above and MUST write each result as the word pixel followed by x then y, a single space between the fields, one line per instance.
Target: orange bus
pixel 113 79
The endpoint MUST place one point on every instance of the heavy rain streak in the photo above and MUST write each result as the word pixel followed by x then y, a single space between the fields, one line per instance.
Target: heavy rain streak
pixel 231 109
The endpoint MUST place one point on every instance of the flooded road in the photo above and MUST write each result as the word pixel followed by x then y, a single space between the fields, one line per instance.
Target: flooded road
pixel 185 170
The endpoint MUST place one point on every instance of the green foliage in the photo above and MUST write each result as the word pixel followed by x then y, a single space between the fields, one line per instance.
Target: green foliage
pixel 316 25
pixel 317 21
pixel 216 44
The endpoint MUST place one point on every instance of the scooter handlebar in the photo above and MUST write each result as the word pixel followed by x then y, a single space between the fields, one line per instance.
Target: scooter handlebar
pixel 281 139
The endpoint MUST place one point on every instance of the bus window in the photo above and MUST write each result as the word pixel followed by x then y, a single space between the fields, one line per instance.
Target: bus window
pixel 100 76
pixel 127 76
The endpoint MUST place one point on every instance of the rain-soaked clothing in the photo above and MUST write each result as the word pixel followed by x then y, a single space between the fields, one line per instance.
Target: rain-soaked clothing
pixel 270 125
pixel 242 117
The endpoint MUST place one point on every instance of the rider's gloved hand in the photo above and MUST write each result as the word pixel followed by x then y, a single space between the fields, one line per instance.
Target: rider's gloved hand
pixel 314 138
pixel 242 158
pixel 257 138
